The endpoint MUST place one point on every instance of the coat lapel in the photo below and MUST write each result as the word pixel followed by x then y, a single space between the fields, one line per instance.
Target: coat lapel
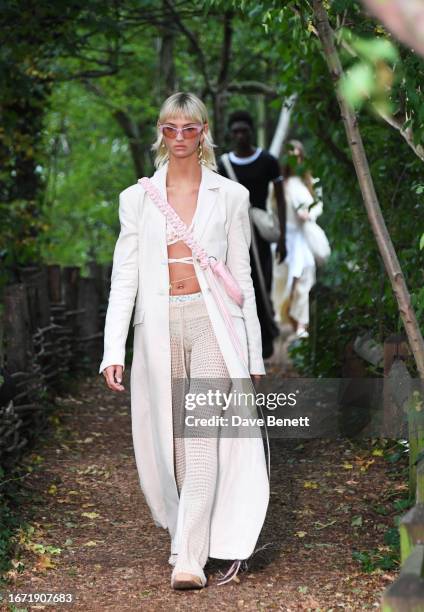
pixel 156 217
pixel 208 191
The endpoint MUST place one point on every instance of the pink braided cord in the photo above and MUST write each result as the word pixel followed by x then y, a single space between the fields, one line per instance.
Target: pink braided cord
pixel 180 228
pixel 183 233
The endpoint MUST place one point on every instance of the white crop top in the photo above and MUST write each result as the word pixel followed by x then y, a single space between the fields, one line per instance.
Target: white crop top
pixel 171 238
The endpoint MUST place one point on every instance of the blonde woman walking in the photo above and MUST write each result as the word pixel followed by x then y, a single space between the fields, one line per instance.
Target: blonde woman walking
pixel 210 492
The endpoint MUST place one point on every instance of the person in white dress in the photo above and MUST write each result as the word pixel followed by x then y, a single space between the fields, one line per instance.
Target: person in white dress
pixel 295 277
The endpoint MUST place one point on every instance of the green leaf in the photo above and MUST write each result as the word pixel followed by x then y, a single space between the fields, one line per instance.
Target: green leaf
pixel 376 49
pixel 357 84
pixel 356 521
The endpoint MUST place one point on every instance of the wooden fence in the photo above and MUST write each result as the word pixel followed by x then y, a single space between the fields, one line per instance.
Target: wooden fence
pixel 51 327
pixel 404 404
pixel 406 594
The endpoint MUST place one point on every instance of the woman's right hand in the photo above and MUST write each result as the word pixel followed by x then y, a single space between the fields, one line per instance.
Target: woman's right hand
pixel 113 377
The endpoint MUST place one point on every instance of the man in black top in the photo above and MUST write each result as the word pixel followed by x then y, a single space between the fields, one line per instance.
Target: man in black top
pixel 255 168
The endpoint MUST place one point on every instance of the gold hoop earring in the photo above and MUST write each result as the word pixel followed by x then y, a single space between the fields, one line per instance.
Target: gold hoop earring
pixel 200 154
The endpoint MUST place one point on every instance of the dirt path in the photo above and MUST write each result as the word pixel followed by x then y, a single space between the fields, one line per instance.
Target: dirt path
pixel 86 501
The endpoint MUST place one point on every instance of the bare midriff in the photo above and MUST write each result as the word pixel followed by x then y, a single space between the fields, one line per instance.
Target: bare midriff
pixel 182 276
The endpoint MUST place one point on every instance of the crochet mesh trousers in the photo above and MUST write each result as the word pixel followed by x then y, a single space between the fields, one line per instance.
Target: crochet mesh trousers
pixel 197 366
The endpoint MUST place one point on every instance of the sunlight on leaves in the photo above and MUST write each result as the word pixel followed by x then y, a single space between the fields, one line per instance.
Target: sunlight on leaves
pixel 309 484
pixel 90 515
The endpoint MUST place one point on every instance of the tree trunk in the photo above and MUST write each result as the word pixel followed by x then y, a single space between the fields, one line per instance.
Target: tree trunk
pixel 219 92
pixel 219 105
pixel 261 133
pixel 369 195
pixel 132 132
pixel 167 73
pixel 283 126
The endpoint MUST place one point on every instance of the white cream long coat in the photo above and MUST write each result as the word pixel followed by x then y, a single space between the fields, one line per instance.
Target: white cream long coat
pixel 140 275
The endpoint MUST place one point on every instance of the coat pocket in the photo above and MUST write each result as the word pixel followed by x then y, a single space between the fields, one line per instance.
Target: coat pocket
pixel 138 316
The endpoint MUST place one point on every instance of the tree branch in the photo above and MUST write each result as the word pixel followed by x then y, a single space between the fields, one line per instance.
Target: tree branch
pixel 81 76
pixel 252 87
pixel 226 50
pixel 128 126
pixel 193 42
pixel 406 133
pixel 283 125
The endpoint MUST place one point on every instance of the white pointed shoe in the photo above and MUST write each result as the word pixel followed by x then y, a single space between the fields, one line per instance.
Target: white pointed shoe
pixel 185 581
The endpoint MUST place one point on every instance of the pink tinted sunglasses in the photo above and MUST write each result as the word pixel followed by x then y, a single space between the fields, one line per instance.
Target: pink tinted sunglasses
pixel 190 131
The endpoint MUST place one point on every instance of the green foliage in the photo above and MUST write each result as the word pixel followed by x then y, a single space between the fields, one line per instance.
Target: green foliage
pixel 373 49
pixel 81 203
pixel 20 235
pixel 373 73
pixel 354 293
pixel 31 38
pixel 377 560
pixel 81 141
pixel 51 43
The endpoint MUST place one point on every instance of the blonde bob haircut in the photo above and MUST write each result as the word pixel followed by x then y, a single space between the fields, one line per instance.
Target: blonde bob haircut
pixel 190 106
